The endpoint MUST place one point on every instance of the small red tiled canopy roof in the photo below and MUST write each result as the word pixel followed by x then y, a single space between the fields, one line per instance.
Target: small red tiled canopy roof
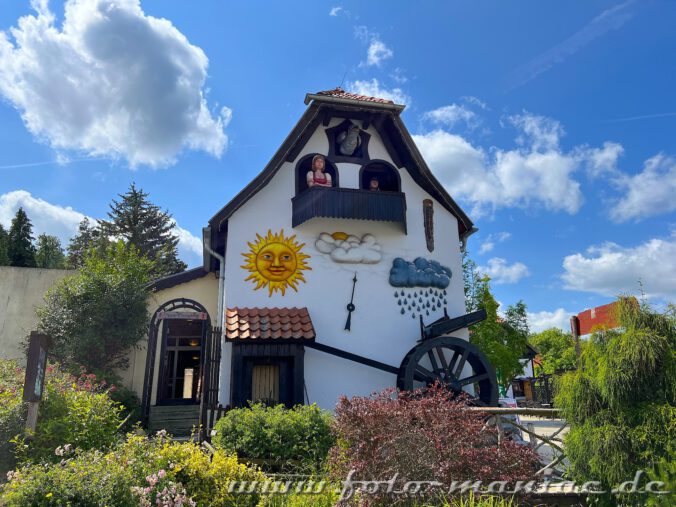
pixel 268 324
pixel 342 94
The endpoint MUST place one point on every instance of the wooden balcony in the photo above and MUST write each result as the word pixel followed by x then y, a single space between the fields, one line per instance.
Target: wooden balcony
pixel 349 203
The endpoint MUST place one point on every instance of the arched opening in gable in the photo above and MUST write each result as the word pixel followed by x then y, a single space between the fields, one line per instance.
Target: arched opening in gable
pixel 383 172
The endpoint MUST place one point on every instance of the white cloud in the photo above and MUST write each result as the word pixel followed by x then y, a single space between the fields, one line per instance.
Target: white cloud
pixel 503 273
pixel 373 88
pixel 110 81
pixel 335 10
pixel 537 172
pixel 450 115
pixel 63 221
pixel 602 161
pixel 611 270
pixel 189 246
pixel 648 193
pixel 539 321
pixel 399 76
pixel 489 244
pixel 475 102
pixel 377 53
pixel 47 218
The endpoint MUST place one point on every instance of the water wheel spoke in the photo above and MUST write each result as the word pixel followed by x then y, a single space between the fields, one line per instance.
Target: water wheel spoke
pixel 473 379
pixel 442 360
pixel 433 362
pixel 461 363
pixel 451 365
pixel 424 375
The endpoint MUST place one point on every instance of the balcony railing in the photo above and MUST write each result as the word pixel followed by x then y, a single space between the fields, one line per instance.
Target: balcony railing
pixel 349 203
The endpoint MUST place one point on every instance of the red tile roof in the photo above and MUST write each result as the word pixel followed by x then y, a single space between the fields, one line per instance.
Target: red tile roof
pixel 268 324
pixel 342 94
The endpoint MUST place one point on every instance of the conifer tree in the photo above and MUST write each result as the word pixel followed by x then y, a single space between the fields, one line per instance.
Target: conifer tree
pixel 4 244
pixel 49 253
pixel 88 236
pixel 138 222
pixel 20 248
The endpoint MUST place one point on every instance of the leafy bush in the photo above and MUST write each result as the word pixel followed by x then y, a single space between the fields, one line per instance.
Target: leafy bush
pixel 12 411
pixel 75 411
pixel 138 471
pixel 281 435
pixel 621 403
pixel 422 436
pixel 97 315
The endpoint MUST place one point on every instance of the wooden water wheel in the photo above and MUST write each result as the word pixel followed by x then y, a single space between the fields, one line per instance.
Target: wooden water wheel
pixel 453 362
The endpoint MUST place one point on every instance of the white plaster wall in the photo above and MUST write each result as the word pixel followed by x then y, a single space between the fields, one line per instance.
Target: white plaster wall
pixel 21 291
pixel 379 331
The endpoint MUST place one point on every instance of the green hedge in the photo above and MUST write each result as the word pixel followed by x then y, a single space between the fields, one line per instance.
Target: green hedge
pixel 295 439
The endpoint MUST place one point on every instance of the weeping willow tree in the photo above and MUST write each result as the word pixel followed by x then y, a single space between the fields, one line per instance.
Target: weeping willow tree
pixel 621 403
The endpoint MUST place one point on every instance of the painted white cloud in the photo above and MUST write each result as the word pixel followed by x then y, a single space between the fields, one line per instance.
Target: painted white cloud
pixel 539 321
pixel 489 244
pixel 612 270
pixel 352 250
pixel 537 172
pixel 110 81
pixel 63 221
pixel 451 115
pixel 503 273
pixel 373 88
pixel 648 193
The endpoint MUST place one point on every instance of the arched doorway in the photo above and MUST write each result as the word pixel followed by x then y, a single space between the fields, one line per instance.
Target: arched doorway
pixel 182 326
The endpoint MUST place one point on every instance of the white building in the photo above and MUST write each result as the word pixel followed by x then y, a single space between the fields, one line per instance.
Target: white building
pixel 298 256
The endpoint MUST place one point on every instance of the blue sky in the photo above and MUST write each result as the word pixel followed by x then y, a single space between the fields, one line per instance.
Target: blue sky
pixel 551 123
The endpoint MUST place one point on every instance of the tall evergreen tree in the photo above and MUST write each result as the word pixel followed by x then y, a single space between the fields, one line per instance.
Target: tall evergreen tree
pixel 88 236
pixel 49 253
pixel 21 249
pixel 150 229
pixel 4 245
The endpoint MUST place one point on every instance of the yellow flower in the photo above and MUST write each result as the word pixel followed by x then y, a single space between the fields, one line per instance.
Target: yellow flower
pixel 49 495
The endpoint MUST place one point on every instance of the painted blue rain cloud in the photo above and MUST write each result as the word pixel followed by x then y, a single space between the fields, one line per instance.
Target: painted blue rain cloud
pixel 419 273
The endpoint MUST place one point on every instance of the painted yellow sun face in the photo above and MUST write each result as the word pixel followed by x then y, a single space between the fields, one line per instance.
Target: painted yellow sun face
pixel 276 262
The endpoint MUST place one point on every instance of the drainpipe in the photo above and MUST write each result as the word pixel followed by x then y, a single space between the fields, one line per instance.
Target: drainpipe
pixel 206 239
pixel 463 238
pixel 206 243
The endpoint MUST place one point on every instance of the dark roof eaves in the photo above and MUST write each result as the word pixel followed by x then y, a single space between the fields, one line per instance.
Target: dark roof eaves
pixel 177 279
pixel 267 173
pixel 428 175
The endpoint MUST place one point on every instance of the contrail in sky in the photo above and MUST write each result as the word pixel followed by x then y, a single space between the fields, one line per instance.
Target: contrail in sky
pixel 610 19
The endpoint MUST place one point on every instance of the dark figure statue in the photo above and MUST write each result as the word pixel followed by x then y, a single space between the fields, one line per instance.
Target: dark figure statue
pixel 349 141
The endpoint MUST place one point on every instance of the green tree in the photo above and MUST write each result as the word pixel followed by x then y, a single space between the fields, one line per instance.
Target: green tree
pixel 97 315
pixel 150 229
pixel 556 350
pixel 20 247
pixel 87 237
pixel 49 253
pixel 4 244
pixel 621 402
pixel 503 340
